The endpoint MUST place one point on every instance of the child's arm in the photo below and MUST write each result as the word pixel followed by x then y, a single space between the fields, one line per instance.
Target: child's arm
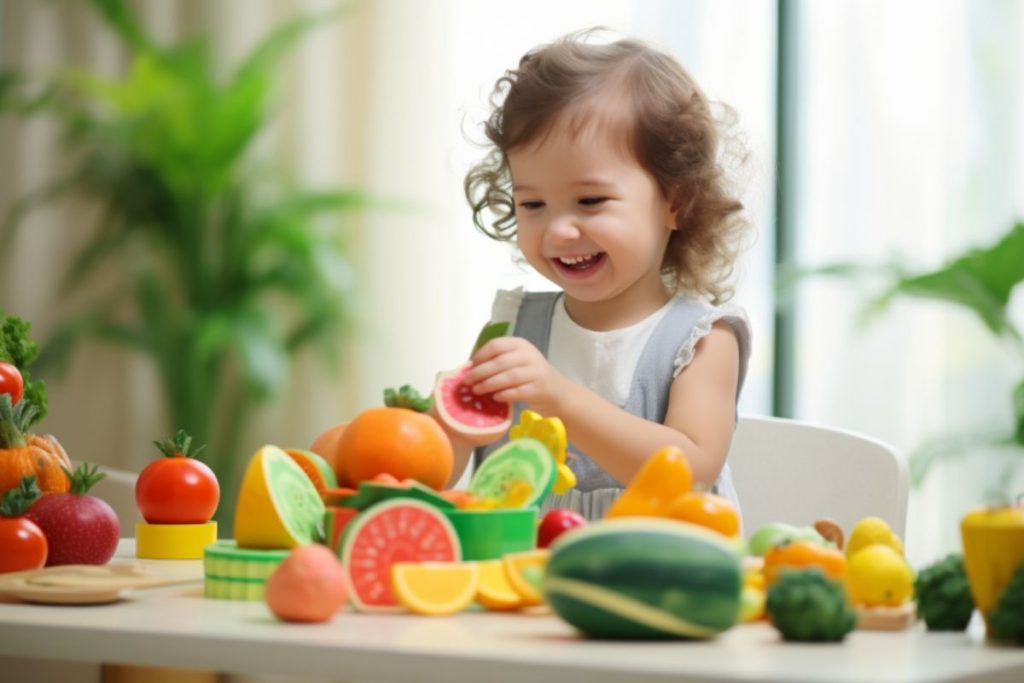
pixel 700 417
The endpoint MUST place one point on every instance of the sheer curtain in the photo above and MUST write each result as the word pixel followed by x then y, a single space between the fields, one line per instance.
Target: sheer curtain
pixel 909 147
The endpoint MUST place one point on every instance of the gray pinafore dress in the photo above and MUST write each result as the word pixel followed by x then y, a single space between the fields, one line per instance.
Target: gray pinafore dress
pixel 686 319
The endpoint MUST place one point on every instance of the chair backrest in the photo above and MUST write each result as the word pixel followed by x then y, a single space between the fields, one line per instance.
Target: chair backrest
pixel 798 473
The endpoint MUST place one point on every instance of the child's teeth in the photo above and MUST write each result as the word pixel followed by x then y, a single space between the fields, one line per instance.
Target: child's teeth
pixel 573 260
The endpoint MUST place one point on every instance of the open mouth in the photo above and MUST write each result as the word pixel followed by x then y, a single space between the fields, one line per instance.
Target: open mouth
pixel 579 264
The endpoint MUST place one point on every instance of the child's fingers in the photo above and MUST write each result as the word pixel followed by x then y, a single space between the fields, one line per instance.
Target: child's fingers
pixel 499 381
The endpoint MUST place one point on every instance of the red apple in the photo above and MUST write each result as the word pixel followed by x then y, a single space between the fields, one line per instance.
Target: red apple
pixel 555 523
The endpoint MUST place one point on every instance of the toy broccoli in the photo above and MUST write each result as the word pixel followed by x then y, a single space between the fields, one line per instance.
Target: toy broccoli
pixel 805 605
pixel 943 595
pixel 1006 621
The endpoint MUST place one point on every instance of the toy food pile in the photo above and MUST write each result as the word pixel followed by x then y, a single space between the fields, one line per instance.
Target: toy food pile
pixel 665 563
pixel 47 516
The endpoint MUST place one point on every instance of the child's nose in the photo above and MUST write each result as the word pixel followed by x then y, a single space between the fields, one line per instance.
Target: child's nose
pixel 563 228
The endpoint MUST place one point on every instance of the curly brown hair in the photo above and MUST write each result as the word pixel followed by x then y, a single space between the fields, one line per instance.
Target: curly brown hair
pixel 670 128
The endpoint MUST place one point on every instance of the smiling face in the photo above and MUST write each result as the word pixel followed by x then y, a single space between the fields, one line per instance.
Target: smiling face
pixel 592 220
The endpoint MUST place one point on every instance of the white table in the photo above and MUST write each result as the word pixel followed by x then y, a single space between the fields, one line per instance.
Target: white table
pixel 175 626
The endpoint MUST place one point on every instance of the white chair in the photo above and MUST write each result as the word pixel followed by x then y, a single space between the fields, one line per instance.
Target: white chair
pixel 795 472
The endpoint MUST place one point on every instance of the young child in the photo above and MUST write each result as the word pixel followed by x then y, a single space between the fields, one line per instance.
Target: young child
pixel 605 168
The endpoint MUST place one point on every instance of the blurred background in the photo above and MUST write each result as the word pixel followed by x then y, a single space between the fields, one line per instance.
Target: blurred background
pixel 878 133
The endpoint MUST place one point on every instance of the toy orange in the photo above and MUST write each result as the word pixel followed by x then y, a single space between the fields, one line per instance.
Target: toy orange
pixel 326 445
pixel 396 439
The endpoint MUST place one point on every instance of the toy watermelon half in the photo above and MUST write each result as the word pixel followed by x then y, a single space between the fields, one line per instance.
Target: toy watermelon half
pixel 396 530
pixel 519 460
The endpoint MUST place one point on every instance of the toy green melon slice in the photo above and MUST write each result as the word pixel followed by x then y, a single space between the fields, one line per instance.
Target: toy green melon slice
pixel 397 530
pixel 520 460
pixel 278 506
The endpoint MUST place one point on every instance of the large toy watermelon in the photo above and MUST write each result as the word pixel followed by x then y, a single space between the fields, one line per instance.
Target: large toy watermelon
pixel 644 578
pixel 397 530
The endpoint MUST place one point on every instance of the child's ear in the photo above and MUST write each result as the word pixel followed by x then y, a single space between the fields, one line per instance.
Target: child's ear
pixel 678 207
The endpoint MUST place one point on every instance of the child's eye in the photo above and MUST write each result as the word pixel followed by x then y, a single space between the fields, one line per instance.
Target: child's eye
pixel 531 205
pixel 593 201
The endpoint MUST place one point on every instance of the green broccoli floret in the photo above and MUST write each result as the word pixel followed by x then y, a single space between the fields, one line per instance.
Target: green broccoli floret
pixel 943 595
pixel 806 605
pixel 17 347
pixel 1006 621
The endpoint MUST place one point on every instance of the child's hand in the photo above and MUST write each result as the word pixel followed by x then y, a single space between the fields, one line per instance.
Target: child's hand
pixel 513 370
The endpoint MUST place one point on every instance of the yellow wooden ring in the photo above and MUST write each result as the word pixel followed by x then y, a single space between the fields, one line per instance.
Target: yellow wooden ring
pixel 173 541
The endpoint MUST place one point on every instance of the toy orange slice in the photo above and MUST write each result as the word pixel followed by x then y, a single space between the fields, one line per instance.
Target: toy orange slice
pixel 495 591
pixel 315 467
pixel 525 571
pixel 435 588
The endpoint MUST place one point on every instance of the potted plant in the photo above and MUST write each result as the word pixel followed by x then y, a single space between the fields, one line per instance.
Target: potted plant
pixel 981 280
pixel 222 271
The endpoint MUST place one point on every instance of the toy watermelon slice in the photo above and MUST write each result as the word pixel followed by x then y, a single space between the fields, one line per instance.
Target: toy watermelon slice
pixel 520 460
pixel 371 493
pixel 397 530
pixel 278 506
pixel 476 416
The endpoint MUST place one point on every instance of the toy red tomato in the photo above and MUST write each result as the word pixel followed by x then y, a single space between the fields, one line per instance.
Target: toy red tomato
pixel 11 382
pixel 555 523
pixel 177 489
pixel 22 543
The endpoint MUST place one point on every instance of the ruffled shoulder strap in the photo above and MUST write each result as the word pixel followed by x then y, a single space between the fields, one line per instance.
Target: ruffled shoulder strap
pixel 737 320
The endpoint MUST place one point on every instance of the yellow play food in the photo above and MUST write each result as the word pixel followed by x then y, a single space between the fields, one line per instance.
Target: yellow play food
pixel 435 588
pixel 869 531
pixel 993 541
pixel 878 576
pixel 495 590
pixel 524 571
pixel 173 541
pixel 550 431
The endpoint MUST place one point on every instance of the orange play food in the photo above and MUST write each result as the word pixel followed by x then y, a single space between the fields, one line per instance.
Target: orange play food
pixel 664 476
pixel 803 555
pixel 706 510
pixel 397 441
pixel 326 446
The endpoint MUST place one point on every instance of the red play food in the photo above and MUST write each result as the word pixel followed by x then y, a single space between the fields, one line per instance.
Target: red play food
pixel 79 528
pixel 308 586
pixel 477 417
pixel 11 382
pixel 555 523
pixel 177 489
pixel 397 530
pixel 22 543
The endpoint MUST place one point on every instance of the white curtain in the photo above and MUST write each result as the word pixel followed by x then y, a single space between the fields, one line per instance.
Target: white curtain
pixel 910 148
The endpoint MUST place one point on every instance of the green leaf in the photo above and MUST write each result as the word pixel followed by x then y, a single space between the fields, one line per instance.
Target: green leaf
pixel 121 19
pixel 262 353
pixel 981 280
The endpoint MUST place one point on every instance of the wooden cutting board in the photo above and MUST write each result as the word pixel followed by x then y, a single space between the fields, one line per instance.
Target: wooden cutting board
pixel 81 584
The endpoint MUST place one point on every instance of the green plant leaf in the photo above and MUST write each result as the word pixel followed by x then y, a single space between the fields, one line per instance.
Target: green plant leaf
pixel 981 280
pixel 122 20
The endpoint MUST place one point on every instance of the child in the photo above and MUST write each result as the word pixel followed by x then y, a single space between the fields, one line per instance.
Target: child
pixel 605 169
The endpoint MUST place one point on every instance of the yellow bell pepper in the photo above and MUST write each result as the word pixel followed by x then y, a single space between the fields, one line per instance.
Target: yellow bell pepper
pixel 664 477
pixel 993 540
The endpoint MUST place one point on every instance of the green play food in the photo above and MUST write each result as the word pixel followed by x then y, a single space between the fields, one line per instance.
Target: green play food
pixel 778 532
pixel 805 605
pixel 1006 621
pixel 943 595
